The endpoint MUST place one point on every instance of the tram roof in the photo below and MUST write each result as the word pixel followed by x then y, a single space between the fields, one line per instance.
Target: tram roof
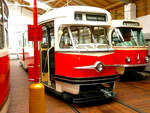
pixel 69 12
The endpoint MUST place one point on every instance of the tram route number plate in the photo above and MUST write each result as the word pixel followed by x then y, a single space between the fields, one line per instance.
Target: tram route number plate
pixel 35 31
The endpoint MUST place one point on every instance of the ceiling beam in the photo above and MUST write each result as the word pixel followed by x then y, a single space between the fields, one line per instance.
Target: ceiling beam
pixel 108 1
pixel 114 5
pixel 49 1
pixel 26 5
pixel 58 1
pixel 93 3
pixel 79 2
pixel 125 1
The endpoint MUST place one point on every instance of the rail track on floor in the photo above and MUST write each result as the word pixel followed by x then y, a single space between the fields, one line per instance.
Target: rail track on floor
pixel 133 96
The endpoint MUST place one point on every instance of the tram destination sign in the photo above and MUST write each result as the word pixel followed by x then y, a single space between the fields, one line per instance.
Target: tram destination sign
pixel 126 23
pixel 90 16
pixel 96 17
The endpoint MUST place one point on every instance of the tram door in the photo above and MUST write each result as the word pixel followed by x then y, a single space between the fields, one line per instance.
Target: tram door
pixel 47 59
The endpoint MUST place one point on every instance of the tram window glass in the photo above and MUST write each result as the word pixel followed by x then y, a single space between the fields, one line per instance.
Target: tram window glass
pixel 30 44
pixel 5 11
pixel 89 36
pixel 78 16
pixel 131 37
pixel 25 41
pixel 1 37
pixel 115 39
pixel 100 35
pixel 82 35
pixel 45 37
pixel 52 36
pixel 6 35
pixel 1 14
pixel 65 41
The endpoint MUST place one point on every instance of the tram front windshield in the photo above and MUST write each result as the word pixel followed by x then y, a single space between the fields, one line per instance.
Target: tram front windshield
pixel 128 37
pixel 84 37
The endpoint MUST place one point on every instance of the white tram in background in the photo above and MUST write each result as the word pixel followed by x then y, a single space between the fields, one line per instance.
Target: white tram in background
pixel 26 53
pixel 130 47
pixel 76 58
pixel 4 58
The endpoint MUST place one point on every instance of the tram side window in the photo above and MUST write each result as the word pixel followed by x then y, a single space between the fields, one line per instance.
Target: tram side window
pixel 65 41
pixel 5 11
pixel 1 27
pixel 6 38
pixel 1 37
pixel 1 16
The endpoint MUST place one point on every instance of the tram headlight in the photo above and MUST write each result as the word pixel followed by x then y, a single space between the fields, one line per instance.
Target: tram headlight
pixel 99 67
pixel 146 59
pixel 128 59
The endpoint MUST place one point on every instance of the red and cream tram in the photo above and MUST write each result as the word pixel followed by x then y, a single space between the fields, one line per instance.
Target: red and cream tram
pixel 26 55
pixel 4 58
pixel 76 58
pixel 130 47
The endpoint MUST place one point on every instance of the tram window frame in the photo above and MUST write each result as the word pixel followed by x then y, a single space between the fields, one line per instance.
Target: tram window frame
pixel 1 27
pixel 6 37
pixel 1 12
pixel 78 16
pixel 96 17
pixel 85 37
pixel 5 11
pixel 113 42
pixel 1 37
pixel 49 34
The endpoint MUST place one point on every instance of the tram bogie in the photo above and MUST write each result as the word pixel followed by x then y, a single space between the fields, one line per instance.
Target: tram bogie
pixel 75 56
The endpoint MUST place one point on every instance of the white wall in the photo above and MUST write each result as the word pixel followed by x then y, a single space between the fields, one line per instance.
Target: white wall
pixel 146 23
pixel 146 28
pixel 17 24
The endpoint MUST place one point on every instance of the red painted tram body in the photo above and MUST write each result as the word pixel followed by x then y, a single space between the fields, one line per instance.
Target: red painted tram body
pixel 4 58
pixel 129 44
pixel 76 59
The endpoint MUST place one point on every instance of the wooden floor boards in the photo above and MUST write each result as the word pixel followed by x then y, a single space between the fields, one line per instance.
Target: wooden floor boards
pixel 136 94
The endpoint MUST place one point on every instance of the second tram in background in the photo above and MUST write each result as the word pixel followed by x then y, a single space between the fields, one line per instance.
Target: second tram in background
pixel 76 57
pixel 26 53
pixel 130 47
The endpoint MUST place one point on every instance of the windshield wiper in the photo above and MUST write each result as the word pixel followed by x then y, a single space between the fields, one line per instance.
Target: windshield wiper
pixel 134 37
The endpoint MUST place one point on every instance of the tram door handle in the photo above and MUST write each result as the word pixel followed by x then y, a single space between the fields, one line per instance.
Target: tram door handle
pixel 49 62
